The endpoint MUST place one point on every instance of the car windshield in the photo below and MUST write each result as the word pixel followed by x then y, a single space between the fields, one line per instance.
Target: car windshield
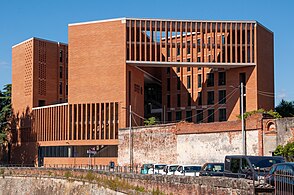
pixel 173 168
pixel 261 163
pixel 159 166
pixel 217 168
pixel 192 168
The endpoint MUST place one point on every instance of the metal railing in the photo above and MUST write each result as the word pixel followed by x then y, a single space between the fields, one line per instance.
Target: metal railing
pixel 284 182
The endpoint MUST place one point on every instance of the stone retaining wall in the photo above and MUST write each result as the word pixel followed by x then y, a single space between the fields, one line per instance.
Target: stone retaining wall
pixel 67 181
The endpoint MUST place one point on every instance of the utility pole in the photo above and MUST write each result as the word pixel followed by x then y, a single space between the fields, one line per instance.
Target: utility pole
pixel 130 139
pixel 242 120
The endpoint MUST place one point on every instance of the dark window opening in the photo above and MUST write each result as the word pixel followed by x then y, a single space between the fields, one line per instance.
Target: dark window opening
pixel 60 55
pixel 189 116
pixel 60 88
pixel 199 81
pixel 210 116
pixel 210 97
pixel 178 83
pixel 222 114
pixel 41 103
pixel 221 78
pixel 189 99
pixel 210 79
pixel 60 72
pixel 178 116
pixel 168 101
pixel 199 116
pixel 179 100
pixel 199 98
pixel 168 84
pixel 188 82
pixel 222 96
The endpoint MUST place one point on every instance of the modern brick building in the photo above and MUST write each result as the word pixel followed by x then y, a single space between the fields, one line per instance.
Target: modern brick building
pixel 171 69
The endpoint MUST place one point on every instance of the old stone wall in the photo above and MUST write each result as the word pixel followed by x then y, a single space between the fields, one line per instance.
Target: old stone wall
pixel 285 130
pixel 189 143
pixel 156 144
pixel 16 181
pixel 213 147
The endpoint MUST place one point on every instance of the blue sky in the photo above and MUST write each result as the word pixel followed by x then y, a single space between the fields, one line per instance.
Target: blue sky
pixel 20 20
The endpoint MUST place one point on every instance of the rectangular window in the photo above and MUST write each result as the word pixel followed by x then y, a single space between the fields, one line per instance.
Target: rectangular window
pixel 208 40
pixel 178 51
pixel 169 116
pixel 210 116
pixel 168 101
pixel 60 88
pixel 199 116
pixel 66 89
pixel 199 68
pixel 178 83
pixel 168 70
pixel 222 114
pixel 188 82
pixel 41 103
pixel 210 97
pixel 178 69
pixel 188 69
pixel 189 116
pixel 168 53
pixel 199 81
pixel 221 78
pixel 188 47
pixel 178 116
pixel 189 60
pixel 189 99
pixel 198 41
pixel 210 79
pixel 223 39
pixel 168 84
pixel 179 100
pixel 222 96
pixel 66 73
pixel 198 59
pixel 199 98
pixel 60 72
pixel 60 55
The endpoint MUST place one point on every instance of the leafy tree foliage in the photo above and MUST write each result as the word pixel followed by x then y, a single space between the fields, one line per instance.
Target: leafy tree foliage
pixel 5 107
pixel 271 112
pixel 287 151
pixel 285 108
pixel 150 121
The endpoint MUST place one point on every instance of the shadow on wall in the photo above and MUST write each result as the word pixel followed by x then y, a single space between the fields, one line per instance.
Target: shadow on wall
pixel 22 139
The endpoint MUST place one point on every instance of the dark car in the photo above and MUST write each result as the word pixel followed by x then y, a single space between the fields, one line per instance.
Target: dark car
pixel 212 169
pixel 282 177
pixel 250 167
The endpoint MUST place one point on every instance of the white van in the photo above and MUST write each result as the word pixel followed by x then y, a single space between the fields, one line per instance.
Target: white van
pixel 188 170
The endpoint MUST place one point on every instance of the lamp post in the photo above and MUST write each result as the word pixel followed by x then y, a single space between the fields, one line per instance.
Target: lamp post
pixel 242 120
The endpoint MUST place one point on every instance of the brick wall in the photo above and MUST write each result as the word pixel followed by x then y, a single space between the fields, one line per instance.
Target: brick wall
pixel 189 143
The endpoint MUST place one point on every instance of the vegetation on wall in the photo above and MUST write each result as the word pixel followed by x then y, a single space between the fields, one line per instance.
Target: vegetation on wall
pixel 271 113
pixel 150 121
pixel 287 151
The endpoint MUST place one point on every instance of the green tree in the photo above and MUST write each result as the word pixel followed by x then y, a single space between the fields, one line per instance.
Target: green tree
pixel 285 108
pixel 5 107
pixel 150 121
pixel 287 151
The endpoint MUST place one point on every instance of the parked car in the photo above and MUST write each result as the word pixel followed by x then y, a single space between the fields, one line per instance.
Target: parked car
pixel 250 167
pixel 188 170
pixel 145 168
pixel 158 169
pixel 170 169
pixel 282 177
pixel 212 169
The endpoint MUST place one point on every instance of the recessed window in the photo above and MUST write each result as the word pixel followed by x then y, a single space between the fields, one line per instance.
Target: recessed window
pixel 41 103
pixel 222 114
pixel 198 41
pixel 199 98
pixel 210 115
pixel 189 116
pixel 222 96
pixel 188 82
pixel 168 101
pixel 208 40
pixel 221 78
pixel 60 55
pixel 178 83
pixel 179 100
pixel 169 116
pixel 188 69
pixel 210 97
pixel 178 51
pixel 223 39
pixel 189 60
pixel 199 79
pixel 66 89
pixel 168 70
pixel 168 84
pixel 198 59
pixel 60 88
pixel 168 53
pixel 178 116
pixel 199 116
pixel 188 47
pixel 189 99
pixel 178 69
pixel 210 79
